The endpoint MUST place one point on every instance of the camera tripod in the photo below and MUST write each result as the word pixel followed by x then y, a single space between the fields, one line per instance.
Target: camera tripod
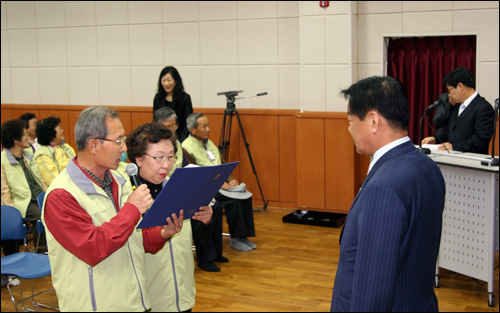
pixel 225 132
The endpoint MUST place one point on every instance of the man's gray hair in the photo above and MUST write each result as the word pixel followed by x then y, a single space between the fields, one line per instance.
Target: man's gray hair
pixel 191 120
pixel 92 124
pixel 164 114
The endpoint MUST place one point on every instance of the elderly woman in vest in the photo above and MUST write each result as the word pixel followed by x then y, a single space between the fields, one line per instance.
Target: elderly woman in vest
pixel 20 186
pixel 53 154
pixel 170 272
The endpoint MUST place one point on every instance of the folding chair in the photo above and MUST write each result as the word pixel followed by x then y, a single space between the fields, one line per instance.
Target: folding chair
pixel 40 229
pixel 24 265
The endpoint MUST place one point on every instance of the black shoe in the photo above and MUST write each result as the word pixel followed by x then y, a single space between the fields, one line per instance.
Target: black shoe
pixel 209 267
pixel 221 259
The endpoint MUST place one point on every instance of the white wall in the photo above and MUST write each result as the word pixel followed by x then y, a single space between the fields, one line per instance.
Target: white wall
pixel 111 53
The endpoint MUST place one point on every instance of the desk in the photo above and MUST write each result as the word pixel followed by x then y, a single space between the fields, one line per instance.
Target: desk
pixel 469 235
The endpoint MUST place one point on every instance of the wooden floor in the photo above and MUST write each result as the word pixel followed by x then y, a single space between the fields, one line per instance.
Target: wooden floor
pixel 293 269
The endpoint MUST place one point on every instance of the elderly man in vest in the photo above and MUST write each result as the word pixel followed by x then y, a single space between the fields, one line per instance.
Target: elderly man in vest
pixel 90 213
pixel 237 205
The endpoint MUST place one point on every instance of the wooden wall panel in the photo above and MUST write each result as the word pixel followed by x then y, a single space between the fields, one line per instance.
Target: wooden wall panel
pixel 6 115
pixel 339 165
pixel 126 119
pixel 16 113
pixel 287 159
pixel 139 118
pixel 261 132
pixel 72 119
pixel 311 163
pixel 302 159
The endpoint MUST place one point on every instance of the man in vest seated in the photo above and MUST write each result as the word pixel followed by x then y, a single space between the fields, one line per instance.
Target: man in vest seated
pixel 90 214
pixel 238 205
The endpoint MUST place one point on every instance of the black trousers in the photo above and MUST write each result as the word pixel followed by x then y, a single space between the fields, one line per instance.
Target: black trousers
pixel 239 214
pixel 208 239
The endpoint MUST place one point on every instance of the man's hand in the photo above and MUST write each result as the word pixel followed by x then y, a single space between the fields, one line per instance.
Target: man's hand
pixel 174 225
pixel 445 146
pixel 204 215
pixel 232 183
pixel 141 198
pixel 429 140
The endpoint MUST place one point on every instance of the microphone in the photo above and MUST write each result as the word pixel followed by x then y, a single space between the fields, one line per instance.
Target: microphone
pixel 132 171
pixel 429 108
pixel 435 134
pixel 432 106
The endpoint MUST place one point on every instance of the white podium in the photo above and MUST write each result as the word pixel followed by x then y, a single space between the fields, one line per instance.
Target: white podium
pixel 469 235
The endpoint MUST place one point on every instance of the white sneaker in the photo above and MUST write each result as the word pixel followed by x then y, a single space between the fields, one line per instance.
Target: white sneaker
pixel 15 282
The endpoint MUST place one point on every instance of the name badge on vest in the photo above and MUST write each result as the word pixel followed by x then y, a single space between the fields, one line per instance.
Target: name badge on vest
pixel 211 155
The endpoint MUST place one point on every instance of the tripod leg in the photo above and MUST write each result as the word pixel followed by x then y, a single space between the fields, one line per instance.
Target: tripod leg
pixel 225 134
pixel 247 146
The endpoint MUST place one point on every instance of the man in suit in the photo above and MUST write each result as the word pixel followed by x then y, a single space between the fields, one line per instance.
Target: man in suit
pixel 390 241
pixel 469 126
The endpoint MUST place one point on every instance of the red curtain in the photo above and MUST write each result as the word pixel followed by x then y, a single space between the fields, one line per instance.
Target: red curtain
pixel 421 64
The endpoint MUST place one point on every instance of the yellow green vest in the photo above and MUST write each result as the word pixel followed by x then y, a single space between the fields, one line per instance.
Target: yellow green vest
pixel 60 160
pixel 118 283
pixel 180 158
pixel 19 189
pixel 170 273
pixel 197 150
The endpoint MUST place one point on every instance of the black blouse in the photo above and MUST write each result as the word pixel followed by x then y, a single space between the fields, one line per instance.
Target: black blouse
pixel 182 106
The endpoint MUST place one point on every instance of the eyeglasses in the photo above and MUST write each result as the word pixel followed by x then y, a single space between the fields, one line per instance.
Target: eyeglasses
pixel 118 142
pixel 173 126
pixel 162 158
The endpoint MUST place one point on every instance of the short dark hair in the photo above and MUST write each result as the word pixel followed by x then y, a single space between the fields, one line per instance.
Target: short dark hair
pixel 384 94
pixel 27 117
pixel 179 86
pixel 142 136
pixel 46 130
pixel 459 75
pixel 12 130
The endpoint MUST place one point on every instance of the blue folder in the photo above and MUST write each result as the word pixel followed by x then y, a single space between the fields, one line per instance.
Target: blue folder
pixel 188 189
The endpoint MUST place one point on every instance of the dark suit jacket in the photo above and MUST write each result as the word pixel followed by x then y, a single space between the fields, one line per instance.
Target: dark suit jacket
pixel 390 241
pixel 472 130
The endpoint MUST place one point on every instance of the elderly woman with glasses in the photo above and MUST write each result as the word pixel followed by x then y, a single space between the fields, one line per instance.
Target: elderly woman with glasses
pixel 170 272
pixel 54 154
pixel 20 186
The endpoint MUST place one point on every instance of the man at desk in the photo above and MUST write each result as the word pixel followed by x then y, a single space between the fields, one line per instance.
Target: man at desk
pixel 469 126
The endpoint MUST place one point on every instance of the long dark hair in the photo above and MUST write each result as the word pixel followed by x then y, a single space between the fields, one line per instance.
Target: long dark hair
pixel 179 87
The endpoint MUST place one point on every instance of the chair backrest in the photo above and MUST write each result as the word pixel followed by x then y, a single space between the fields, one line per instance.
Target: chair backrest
pixel 39 200
pixel 13 227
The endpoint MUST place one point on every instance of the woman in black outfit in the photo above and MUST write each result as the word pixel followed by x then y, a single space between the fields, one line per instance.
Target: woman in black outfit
pixel 171 94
